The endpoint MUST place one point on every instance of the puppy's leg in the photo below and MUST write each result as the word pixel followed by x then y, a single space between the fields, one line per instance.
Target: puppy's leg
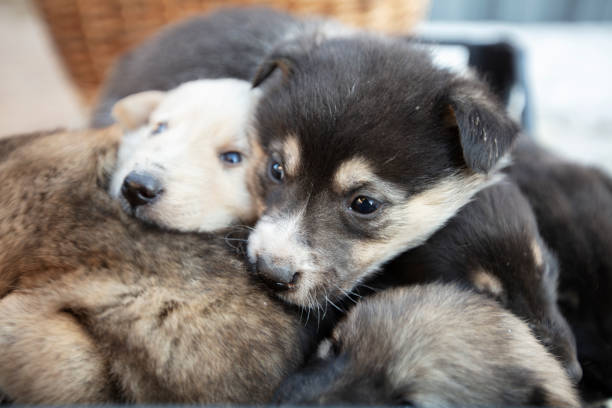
pixel 46 357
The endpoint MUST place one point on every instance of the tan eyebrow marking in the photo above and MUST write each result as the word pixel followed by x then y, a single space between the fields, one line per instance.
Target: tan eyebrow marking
pixel 354 171
pixel 358 171
pixel 291 154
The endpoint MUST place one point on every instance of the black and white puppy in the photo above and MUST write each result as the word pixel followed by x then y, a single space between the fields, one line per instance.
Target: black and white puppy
pixel 370 149
pixel 573 206
pixel 493 246
pixel 430 346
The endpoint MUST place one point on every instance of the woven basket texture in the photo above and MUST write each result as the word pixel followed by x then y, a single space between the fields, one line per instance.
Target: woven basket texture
pixel 90 34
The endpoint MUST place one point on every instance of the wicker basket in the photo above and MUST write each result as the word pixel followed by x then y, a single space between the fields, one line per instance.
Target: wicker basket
pixel 89 34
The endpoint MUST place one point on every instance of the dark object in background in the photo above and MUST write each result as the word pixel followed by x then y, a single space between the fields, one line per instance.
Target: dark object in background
pixel 573 206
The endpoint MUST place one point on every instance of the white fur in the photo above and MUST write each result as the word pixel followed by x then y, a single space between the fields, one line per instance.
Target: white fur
pixel 200 192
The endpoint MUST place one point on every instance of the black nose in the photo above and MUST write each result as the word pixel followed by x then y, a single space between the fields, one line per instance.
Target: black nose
pixel 140 188
pixel 277 277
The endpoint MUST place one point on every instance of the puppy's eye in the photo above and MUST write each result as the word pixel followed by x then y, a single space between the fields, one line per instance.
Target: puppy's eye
pixel 231 157
pixel 276 171
pixel 159 127
pixel 364 205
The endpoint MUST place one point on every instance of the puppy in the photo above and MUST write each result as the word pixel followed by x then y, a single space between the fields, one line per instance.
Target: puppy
pixel 370 149
pixel 573 206
pixel 379 148
pixel 493 245
pixel 229 43
pixel 96 307
pixel 431 346
pixel 184 159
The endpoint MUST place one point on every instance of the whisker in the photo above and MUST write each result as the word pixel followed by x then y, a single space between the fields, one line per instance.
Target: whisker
pixel 308 313
pixel 242 226
pixel 368 287
pixel 316 304
pixel 334 305
pixel 234 247
pixel 325 311
pixel 348 294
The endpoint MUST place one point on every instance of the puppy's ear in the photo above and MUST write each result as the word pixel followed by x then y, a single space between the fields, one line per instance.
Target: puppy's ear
pixel 134 111
pixel 271 67
pixel 486 132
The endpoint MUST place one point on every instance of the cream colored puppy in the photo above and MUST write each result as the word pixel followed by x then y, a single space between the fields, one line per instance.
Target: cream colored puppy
pixel 184 157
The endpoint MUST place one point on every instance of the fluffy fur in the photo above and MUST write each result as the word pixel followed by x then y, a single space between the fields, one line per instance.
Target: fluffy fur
pixel 201 120
pixel 330 96
pixel 368 117
pixel 493 246
pixel 431 346
pixel 230 43
pixel 96 307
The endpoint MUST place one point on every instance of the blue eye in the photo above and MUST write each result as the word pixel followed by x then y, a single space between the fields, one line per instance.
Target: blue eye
pixel 364 205
pixel 160 127
pixel 231 157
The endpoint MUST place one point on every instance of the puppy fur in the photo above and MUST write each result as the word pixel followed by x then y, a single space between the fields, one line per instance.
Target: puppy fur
pixel 573 206
pixel 230 43
pixel 363 116
pixel 96 307
pixel 493 246
pixel 200 121
pixel 350 112
pixel 431 346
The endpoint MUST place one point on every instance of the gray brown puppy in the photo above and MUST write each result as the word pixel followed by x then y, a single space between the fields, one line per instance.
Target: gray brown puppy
pixel 97 307
pixel 431 346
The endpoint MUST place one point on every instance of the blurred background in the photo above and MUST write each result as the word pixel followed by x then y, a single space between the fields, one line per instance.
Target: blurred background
pixel 54 53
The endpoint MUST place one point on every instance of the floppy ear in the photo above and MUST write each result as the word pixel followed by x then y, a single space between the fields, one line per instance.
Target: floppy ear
pixel 270 66
pixel 486 132
pixel 134 111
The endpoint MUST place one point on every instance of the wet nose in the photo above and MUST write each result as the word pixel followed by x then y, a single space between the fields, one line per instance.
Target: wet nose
pixel 140 189
pixel 574 371
pixel 277 277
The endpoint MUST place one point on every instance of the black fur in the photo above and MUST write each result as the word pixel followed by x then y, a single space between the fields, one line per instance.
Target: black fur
pixel 318 384
pixel 494 234
pixel 4 399
pixel 376 98
pixel 378 95
pixel 486 132
pixel 573 206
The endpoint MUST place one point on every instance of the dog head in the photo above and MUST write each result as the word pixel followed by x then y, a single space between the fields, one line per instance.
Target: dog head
pixel 370 149
pixel 184 158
